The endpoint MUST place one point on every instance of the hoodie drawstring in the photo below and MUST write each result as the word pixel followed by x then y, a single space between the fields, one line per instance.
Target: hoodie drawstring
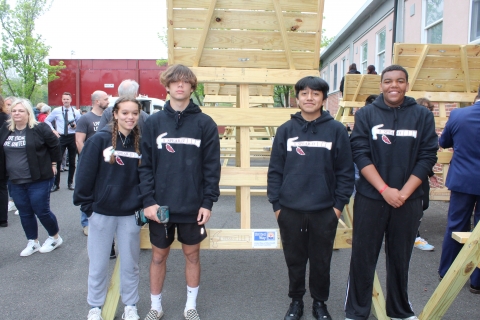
pixel 307 124
pixel 304 223
pixel 178 119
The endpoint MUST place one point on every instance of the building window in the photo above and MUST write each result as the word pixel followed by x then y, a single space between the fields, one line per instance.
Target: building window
pixel 433 20
pixel 335 76
pixel 363 57
pixel 381 40
pixel 475 21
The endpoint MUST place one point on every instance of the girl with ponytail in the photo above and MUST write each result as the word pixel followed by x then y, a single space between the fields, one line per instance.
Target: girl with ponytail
pixel 107 191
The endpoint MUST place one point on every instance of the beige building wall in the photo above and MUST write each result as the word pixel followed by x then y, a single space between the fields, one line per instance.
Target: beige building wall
pixel 456 19
pixel 413 21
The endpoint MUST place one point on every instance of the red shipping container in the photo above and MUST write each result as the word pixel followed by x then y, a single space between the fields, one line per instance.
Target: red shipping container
pixel 81 77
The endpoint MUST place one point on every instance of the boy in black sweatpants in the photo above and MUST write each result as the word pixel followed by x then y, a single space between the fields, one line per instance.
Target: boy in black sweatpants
pixel 394 146
pixel 310 179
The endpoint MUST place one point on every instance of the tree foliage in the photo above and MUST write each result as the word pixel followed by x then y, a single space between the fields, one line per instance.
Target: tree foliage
pixel 23 65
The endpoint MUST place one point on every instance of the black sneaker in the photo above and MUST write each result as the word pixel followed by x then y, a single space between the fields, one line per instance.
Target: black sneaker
pixel 475 290
pixel 319 311
pixel 295 311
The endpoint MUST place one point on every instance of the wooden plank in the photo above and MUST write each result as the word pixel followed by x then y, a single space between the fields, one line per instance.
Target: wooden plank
pixel 170 26
pixel 418 67
pixel 251 75
pixel 231 90
pixel 287 5
pixel 283 32
pixel 253 192
pixel 268 117
pixel 235 239
pixel 440 194
pixel 243 58
pixel 352 104
pixel 437 85
pixel 443 96
pixel 444 157
pixel 232 99
pixel 113 294
pixel 454 280
pixel 203 36
pixel 318 38
pixel 247 20
pixel 378 300
pixel 244 177
pixel 466 71
pixel 461 237
pixel 243 157
pixel 355 95
pixel 244 39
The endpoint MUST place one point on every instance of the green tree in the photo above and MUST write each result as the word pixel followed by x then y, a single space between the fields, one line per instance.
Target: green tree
pixel 23 65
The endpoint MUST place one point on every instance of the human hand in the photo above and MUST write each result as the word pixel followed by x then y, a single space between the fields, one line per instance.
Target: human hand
pixel 55 132
pixel 151 213
pixel 337 212
pixel 203 216
pixel 393 197
pixel 277 213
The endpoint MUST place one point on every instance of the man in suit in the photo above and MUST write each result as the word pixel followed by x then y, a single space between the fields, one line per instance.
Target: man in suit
pixel 462 132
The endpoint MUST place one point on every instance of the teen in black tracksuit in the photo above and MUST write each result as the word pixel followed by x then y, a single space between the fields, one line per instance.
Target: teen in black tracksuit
pixel 310 173
pixel 398 141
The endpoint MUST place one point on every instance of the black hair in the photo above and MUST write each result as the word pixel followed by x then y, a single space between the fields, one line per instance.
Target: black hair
pixel 394 67
pixel 370 99
pixel 314 83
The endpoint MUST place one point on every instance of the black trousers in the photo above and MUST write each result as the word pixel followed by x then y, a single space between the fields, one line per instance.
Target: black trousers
pixel 67 142
pixel 374 219
pixel 308 237
pixel 3 200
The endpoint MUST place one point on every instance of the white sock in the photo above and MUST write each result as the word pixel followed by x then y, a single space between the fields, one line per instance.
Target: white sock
pixel 156 302
pixel 191 298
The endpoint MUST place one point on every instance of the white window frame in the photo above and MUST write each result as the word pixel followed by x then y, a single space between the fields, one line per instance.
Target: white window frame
pixel 424 21
pixel 335 76
pixel 363 59
pixel 476 41
pixel 378 53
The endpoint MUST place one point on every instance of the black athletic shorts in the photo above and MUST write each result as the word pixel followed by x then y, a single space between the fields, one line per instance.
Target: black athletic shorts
pixel 187 233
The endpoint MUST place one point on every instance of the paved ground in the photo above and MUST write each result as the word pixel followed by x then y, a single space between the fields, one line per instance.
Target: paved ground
pixel 235 284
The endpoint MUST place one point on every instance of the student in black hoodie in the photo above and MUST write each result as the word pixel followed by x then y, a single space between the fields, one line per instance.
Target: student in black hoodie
pixel 107 191
pixel 310 180
pixel 180 169
pixel 394 145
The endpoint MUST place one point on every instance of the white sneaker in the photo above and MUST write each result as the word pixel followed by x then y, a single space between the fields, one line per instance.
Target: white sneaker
pixel 11 206
pixel 130 313
pixel 51 244
pixel 32 247
pixel 17 213
pixel 95 314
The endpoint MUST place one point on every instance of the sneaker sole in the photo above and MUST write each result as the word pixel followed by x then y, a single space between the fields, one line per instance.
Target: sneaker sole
pixel 27 255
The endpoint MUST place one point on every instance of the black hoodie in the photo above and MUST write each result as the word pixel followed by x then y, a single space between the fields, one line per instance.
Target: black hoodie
pixel 311 166
pixel 398 141
pixel 180 162
pixel 108 189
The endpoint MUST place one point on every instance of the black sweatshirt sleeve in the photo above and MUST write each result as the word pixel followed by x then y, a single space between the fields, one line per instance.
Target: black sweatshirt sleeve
pixel 86 175
pixel 51 142
pixel 427 152
pixel 211 165
pixel 276 168
pixel 145 171
pixel 359 141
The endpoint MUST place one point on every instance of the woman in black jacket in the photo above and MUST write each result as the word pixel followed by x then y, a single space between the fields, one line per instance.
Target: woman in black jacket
pixel 29 155
pixel 3 182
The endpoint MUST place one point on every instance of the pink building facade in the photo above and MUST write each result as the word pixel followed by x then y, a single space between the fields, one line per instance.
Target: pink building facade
pixel 368 37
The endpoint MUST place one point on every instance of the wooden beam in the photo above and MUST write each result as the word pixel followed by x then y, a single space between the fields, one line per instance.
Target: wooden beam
pixel 454 280
pixel 170 41
pixel 418 66
pixel 251 75
pixel 243 156
pixel 318 38
pixel 232 99
pixel 113 294
pixel 283 32
pixel 249 117
pixel 443 96
pixel 244 177
pixel 466 71
pixel 355 95
pixel 204 34
pixel 461 237
pixel 234 239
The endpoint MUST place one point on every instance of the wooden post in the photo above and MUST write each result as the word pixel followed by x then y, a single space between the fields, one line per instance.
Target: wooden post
pixel 113 294
pixel 454 280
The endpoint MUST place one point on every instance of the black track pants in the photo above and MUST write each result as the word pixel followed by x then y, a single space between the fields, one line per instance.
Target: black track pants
pixel 372 220
pixel 308 237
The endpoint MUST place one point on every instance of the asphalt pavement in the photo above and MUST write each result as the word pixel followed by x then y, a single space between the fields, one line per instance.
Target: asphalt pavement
pixel 235 284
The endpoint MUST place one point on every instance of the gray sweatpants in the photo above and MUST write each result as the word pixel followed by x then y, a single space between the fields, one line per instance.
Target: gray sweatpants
pixel 101 231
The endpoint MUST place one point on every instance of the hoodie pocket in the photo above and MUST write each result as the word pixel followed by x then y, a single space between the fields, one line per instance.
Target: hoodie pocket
pixel 122 198
pixel 307 192
pixel 181 192
pixel 394 176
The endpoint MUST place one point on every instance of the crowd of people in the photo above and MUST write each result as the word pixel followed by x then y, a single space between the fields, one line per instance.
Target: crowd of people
pixel 166 167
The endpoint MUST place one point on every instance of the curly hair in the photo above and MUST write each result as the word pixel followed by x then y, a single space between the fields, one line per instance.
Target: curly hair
pixel 114 127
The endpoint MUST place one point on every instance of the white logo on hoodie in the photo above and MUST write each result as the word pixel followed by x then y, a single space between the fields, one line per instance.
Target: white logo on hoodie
pixel 188 141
